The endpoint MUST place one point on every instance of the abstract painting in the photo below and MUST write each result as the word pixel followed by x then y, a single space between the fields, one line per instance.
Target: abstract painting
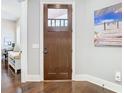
pixel 108 26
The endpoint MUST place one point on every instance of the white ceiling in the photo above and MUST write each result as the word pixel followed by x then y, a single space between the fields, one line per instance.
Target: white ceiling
pixel 10 10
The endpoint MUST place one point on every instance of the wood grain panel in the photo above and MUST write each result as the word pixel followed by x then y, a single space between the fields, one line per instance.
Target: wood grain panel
pixel 58 60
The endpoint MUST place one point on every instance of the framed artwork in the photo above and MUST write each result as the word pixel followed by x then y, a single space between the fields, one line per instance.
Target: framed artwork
pixel 108 26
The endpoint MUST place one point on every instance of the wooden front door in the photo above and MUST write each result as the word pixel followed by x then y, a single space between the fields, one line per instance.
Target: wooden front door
pixel 57 42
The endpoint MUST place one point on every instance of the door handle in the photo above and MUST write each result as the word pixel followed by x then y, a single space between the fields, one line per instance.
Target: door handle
pixel 45 50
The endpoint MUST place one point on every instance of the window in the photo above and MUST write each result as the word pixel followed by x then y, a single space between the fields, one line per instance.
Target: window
pixel 57 17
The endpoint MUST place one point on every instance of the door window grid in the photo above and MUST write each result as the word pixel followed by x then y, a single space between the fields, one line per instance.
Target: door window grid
pixel 57 22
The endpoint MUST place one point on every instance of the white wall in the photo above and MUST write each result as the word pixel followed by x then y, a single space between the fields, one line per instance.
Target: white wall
pixel 8 30
pixel 101 62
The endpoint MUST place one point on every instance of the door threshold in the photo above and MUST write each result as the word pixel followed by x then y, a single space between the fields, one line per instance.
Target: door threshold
pixel 58 80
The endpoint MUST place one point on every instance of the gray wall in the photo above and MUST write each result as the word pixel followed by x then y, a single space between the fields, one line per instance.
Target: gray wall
pixel 33 36
pixel 100 62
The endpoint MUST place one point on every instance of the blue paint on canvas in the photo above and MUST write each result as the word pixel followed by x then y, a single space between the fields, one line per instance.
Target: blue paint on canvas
pixel 108 15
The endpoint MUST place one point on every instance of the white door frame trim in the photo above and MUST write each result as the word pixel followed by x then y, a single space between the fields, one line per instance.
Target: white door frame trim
pixel 42 37
pixel 24 6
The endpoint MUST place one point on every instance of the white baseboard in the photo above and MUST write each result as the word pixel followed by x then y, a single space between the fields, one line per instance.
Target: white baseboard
pixel 107 84
pixel 34 78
